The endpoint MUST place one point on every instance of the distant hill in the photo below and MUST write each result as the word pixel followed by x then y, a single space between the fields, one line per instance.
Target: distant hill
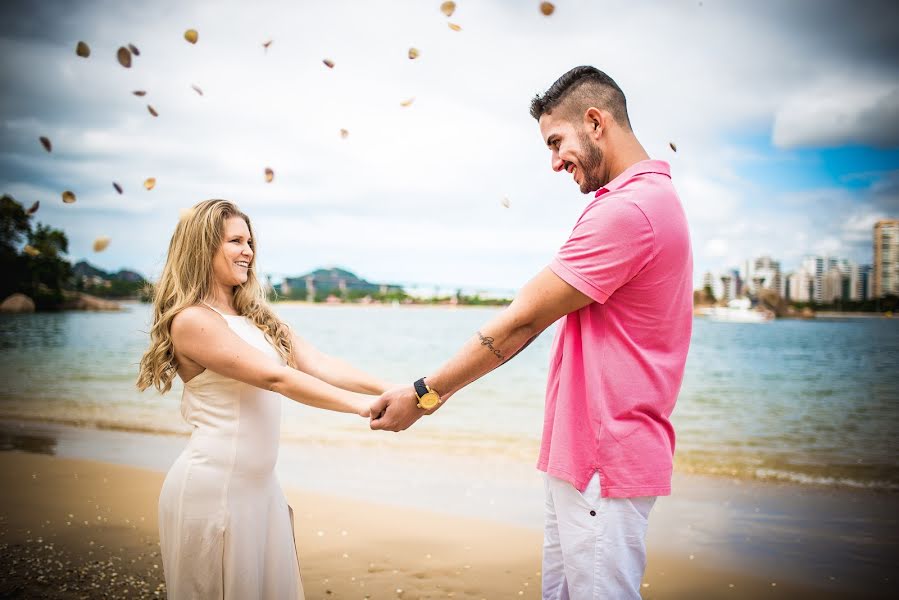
pixel 97 282
pixel 335 279
pixel 84 269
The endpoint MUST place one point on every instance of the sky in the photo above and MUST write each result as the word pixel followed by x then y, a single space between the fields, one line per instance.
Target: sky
pixel 785 116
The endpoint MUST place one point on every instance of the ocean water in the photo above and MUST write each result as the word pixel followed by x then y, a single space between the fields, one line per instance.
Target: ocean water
pixel 812 402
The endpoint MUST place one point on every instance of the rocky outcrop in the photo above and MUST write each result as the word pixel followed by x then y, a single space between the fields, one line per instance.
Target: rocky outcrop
pixel 17 303
pixel 80 301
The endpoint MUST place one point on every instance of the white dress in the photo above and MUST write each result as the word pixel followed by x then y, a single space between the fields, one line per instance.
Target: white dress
pixel 225 528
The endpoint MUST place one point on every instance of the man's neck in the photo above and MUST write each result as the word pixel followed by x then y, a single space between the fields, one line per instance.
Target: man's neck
pixel 628 153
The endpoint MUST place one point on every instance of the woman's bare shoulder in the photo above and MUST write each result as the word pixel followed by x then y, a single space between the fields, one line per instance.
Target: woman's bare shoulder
pixel 193 320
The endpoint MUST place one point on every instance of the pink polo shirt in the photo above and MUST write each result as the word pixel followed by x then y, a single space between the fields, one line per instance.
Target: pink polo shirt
pixel 617 364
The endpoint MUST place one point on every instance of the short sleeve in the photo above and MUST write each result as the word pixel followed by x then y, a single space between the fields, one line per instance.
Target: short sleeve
pixel 612 241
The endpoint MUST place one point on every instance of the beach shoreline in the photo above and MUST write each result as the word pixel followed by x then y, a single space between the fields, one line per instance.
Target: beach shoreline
pixel 70 528
pixel 711 533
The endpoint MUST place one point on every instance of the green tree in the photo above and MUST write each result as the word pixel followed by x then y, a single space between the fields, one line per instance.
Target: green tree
pixel 14 227
pixel 41 276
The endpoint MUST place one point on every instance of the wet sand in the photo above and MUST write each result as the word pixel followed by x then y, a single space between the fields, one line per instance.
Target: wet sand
pixel 74 528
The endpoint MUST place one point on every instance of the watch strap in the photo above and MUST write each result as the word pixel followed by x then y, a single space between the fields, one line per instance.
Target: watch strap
pixel 420 388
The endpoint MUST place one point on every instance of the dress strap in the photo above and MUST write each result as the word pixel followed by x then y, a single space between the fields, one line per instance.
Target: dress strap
pixel 214 308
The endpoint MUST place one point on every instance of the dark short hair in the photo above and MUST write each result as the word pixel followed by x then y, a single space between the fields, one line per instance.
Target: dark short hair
pixel 588 86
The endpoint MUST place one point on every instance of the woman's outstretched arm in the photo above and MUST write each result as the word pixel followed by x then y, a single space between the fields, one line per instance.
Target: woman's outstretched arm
pixel 335 371
pixel 203 337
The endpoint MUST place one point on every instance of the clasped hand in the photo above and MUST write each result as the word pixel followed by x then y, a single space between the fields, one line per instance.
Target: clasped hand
pixel 397 409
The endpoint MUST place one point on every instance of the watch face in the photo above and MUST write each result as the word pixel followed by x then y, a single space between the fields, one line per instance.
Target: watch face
pixel 429 400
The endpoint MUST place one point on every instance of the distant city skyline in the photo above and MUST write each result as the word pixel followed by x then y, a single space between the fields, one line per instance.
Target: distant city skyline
pixel 819 279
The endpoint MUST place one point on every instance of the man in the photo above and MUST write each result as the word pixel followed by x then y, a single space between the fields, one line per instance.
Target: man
pixel 623 283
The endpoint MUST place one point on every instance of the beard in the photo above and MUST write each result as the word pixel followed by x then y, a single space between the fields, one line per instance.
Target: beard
pixel 590 163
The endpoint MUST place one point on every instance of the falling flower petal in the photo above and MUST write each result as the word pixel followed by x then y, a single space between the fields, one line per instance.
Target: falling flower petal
pixel 267 44
pixel 152 111
pixel 328 63
pixel 191 36
pixel 150 183
pixel 124 56
pixel 134 49
pixel 448 8
pixel 34 207
pixel 68 197
pixel 269 175
pixel 45 142
pixel 139 93
pixel 547 8
pixel 82 50
pixel 197 89
pixel 673 146
pixel 344 133
pixel 505 202
pixel 408 102
pixel 413 53
pixel 117 187
pixel 31 251
pixel 101 243
pixel 454 27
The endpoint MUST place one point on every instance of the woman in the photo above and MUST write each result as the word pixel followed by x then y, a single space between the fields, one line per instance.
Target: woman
pixel 225 528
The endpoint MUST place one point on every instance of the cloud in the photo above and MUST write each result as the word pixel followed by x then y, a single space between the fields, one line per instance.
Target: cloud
pixel 840 112
pixel 413 193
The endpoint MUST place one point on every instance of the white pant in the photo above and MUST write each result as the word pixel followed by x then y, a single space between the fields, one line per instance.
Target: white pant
pixel 593 548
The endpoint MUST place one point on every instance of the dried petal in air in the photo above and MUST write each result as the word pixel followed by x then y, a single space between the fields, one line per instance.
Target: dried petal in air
pixel 413 53
pixel 101 243
pixel 547 8
pixel 34 207
pixel 344 133
pixel 197 89
pixel 448 8
pixel 134 49
pixel 269 175
pixel 505 202
pixel 124 56
pixel 267 44
pixel 191 36
pixel 82 50
pixel 68 197
pixel 673 146
pixel 150 183
pixel 45 142
pixel 454 27
pixel 152 111
pixel 31 251
pixel 408 102
pixel 328 63
pixel 139 93
pixel 117 187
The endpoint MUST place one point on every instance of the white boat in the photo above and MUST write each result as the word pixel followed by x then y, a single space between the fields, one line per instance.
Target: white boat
pixel 738 310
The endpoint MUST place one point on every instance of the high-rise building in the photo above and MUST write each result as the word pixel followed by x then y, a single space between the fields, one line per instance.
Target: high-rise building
pixel 865 282
pixel 886 257
pixel 766 275
pixel 832 286
pixel 800 286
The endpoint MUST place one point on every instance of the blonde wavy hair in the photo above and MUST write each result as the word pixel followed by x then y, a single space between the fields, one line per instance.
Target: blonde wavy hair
pixel 187 280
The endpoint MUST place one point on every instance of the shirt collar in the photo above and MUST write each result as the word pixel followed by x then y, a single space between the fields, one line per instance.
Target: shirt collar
pixel 639 168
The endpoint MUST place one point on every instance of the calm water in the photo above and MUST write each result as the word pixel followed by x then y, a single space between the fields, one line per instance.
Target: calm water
pixel 812 402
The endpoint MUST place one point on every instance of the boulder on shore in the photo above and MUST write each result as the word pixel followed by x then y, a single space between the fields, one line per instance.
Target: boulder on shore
pixel 80 301
pixel 17 303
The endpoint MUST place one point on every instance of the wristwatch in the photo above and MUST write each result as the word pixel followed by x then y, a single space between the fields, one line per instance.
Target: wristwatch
pixel 427 398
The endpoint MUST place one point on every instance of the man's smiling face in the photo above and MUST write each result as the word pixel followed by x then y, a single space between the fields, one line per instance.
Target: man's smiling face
pixel 573 151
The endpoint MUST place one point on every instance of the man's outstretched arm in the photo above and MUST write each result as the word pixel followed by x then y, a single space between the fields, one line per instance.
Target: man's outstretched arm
pixel 540 303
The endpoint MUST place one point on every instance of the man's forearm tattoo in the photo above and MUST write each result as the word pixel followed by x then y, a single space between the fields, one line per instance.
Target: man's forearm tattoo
pixel 488 341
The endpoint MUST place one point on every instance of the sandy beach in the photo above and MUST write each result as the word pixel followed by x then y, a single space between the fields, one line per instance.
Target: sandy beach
pixel 73 528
